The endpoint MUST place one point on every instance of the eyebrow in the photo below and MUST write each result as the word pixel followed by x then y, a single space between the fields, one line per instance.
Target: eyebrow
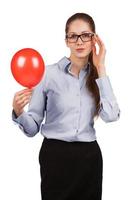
pixel 81 32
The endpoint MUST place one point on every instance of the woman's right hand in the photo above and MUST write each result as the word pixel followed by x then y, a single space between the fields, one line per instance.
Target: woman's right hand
pixel 20 100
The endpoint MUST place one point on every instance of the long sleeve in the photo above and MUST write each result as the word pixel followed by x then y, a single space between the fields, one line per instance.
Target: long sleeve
pixel 109 109
pixel 29 122
pixel 62 107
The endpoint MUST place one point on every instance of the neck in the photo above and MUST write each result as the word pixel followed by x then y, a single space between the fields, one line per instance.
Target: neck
pixel 78 62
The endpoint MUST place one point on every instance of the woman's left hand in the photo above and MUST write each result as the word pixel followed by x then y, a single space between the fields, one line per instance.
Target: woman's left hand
pixel 99 58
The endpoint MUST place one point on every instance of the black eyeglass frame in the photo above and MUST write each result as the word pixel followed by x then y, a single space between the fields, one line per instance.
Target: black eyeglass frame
pixel 80 36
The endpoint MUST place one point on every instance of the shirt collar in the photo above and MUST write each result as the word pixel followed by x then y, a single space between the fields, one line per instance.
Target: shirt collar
pixel 65 62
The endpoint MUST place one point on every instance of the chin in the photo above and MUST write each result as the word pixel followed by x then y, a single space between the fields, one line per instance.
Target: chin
pixel 83 56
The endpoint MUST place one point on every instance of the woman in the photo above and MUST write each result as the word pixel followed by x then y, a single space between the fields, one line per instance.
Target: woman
pixel 73 92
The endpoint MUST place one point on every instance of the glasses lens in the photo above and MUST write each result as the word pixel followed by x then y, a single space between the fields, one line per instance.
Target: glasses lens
pixel 86 37
pixel 72 38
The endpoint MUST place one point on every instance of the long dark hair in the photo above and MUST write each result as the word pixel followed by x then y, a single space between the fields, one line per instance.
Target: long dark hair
pixel 92 75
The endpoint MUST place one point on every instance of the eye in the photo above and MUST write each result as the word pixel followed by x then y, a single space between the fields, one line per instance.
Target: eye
pixel 73 36
pixel 87 35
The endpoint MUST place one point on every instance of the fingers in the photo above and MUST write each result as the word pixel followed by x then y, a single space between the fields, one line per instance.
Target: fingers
pixel 98 40
pixel 23 94
pixel 101 47
pixel 21 99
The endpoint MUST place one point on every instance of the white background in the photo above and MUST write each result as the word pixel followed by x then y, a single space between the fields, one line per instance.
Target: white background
pixel 40 24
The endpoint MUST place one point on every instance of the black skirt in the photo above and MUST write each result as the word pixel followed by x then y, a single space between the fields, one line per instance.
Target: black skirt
pixel 70 170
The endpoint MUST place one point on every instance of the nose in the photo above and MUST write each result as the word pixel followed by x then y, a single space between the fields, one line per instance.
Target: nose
pixel 79 40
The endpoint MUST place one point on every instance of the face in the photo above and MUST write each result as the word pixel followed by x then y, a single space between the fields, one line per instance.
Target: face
pixel 79 49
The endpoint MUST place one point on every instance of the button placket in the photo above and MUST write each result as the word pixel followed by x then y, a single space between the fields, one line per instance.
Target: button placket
pixel 77 115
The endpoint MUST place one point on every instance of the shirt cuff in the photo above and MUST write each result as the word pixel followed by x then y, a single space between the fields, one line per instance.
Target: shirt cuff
pixel 18 119
pixel 105 87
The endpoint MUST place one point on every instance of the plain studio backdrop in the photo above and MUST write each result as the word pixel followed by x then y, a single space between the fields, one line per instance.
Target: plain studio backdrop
pixel 40 24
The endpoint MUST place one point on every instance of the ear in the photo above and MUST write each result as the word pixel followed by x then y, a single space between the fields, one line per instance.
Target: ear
pixel 67 44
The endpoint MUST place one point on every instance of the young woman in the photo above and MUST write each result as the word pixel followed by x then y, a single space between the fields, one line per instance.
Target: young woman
pixel 73 92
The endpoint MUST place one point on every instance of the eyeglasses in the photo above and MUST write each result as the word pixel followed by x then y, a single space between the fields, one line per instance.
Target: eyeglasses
pixel 85 37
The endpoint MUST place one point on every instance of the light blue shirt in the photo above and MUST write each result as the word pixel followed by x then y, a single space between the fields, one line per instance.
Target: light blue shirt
pixel 62 108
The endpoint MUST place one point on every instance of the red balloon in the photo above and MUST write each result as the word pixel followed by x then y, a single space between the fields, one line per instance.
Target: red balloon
pixel 27 67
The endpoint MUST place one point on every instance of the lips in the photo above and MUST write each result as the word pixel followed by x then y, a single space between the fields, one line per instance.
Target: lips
pixel 80 49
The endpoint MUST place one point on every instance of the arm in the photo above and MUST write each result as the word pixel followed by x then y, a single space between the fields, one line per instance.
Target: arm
pixel 109 109
pixel 30 121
